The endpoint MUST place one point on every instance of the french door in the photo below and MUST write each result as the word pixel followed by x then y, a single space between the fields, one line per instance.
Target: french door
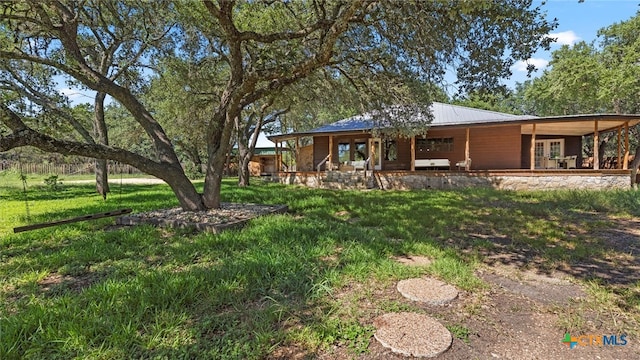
pixel 375 151
pixel 549 149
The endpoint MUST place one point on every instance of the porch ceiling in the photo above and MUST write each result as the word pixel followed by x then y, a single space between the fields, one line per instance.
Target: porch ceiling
pixel 575 128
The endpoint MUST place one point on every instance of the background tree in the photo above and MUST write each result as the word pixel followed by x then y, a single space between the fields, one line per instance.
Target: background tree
pixel 248 127
pixel 499 101
pixel 263 48
pixel 571 83
pixel 182 95
pixel 115 53
pixel 621 80
pixel 590 78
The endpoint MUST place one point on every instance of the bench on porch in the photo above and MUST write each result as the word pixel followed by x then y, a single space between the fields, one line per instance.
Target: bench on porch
pixel 359 165
pixel 432 163
pixel 354 165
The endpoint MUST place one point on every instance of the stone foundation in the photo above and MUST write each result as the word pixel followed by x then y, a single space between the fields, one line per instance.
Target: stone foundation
pixel 504 180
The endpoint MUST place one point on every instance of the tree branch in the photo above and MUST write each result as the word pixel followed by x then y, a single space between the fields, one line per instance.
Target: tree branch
pixel 22 135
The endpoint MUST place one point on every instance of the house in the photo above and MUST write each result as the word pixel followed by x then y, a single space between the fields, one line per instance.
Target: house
pixel 462 139
pixel 263 162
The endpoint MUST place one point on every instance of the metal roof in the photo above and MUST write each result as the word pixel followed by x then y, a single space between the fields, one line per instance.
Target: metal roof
pixel 443 115
pixel 447 115
pixel 264 151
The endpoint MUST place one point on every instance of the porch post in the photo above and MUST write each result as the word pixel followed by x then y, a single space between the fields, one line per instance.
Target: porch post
pixel 330 165
pixel 532 150
pixel 619 148
pixel 413 153
pixel 297 152
pixel 372 154
pixel 625 165
pixel 596 151
pixel 467 166
pixel 278 157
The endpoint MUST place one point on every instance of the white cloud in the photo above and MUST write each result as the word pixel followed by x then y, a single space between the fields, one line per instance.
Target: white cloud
pixel 538 63
pixel 565 37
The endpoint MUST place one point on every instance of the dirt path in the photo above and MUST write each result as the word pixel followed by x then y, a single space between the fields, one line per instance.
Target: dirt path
pixel 513 319
pixel 524 314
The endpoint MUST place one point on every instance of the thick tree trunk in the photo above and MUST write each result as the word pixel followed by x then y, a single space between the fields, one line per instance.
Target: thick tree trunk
pixel 184 190
pixel 213 178
pixel 100 128
pixel 218 145
pixel 634 167
pixel 102 178
pixel 244 157
pixel 602 147
pixel 227 163
pixel 243 171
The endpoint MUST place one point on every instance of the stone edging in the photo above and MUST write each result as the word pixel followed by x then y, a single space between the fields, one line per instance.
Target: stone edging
pixel 215 228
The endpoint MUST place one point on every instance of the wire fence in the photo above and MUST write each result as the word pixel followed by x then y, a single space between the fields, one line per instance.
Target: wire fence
pixel 64 169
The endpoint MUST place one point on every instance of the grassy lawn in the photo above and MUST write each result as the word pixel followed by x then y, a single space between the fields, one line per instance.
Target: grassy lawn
pixel 299 279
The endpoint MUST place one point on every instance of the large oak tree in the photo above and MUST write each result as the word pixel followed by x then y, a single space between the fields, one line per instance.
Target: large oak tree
pixel 261 47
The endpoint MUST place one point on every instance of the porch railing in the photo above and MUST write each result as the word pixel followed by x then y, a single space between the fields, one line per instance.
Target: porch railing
pixel 322 162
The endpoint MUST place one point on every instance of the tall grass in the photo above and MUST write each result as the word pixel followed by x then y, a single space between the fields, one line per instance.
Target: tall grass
pixel 82 290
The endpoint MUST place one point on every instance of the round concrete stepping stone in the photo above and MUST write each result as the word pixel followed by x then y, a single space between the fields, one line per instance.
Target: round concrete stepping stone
pixel 430 291
pixel 412 334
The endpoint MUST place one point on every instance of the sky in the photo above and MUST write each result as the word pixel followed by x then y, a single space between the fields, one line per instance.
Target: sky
pixel 576 22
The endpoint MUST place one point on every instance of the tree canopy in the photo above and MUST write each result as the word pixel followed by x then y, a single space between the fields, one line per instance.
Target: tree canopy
pixel 255 49
pixel 598 77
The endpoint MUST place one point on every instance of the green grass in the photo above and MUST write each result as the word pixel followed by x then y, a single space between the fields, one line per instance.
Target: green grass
pixel 296 279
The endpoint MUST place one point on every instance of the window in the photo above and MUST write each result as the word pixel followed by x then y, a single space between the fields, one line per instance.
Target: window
pixel 344 152
pixel 434 145
pixel 360 152
pixel 390 150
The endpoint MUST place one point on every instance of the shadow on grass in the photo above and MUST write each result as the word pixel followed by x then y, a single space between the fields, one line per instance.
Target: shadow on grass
pixel 240 294
pixel 576 232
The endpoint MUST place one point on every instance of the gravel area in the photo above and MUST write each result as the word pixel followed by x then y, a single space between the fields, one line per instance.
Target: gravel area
pixel 229 215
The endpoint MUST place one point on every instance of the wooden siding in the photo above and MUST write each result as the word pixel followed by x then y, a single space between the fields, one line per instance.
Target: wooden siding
pixel 320 150
pixel 304 159
pixel 459 138
pixel 496 147
pixel 490 148
pixel 403 161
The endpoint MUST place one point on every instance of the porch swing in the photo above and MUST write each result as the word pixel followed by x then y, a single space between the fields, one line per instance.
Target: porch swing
pixel 96 216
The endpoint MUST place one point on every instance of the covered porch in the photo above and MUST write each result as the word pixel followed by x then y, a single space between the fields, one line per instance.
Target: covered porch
pixel 534 144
